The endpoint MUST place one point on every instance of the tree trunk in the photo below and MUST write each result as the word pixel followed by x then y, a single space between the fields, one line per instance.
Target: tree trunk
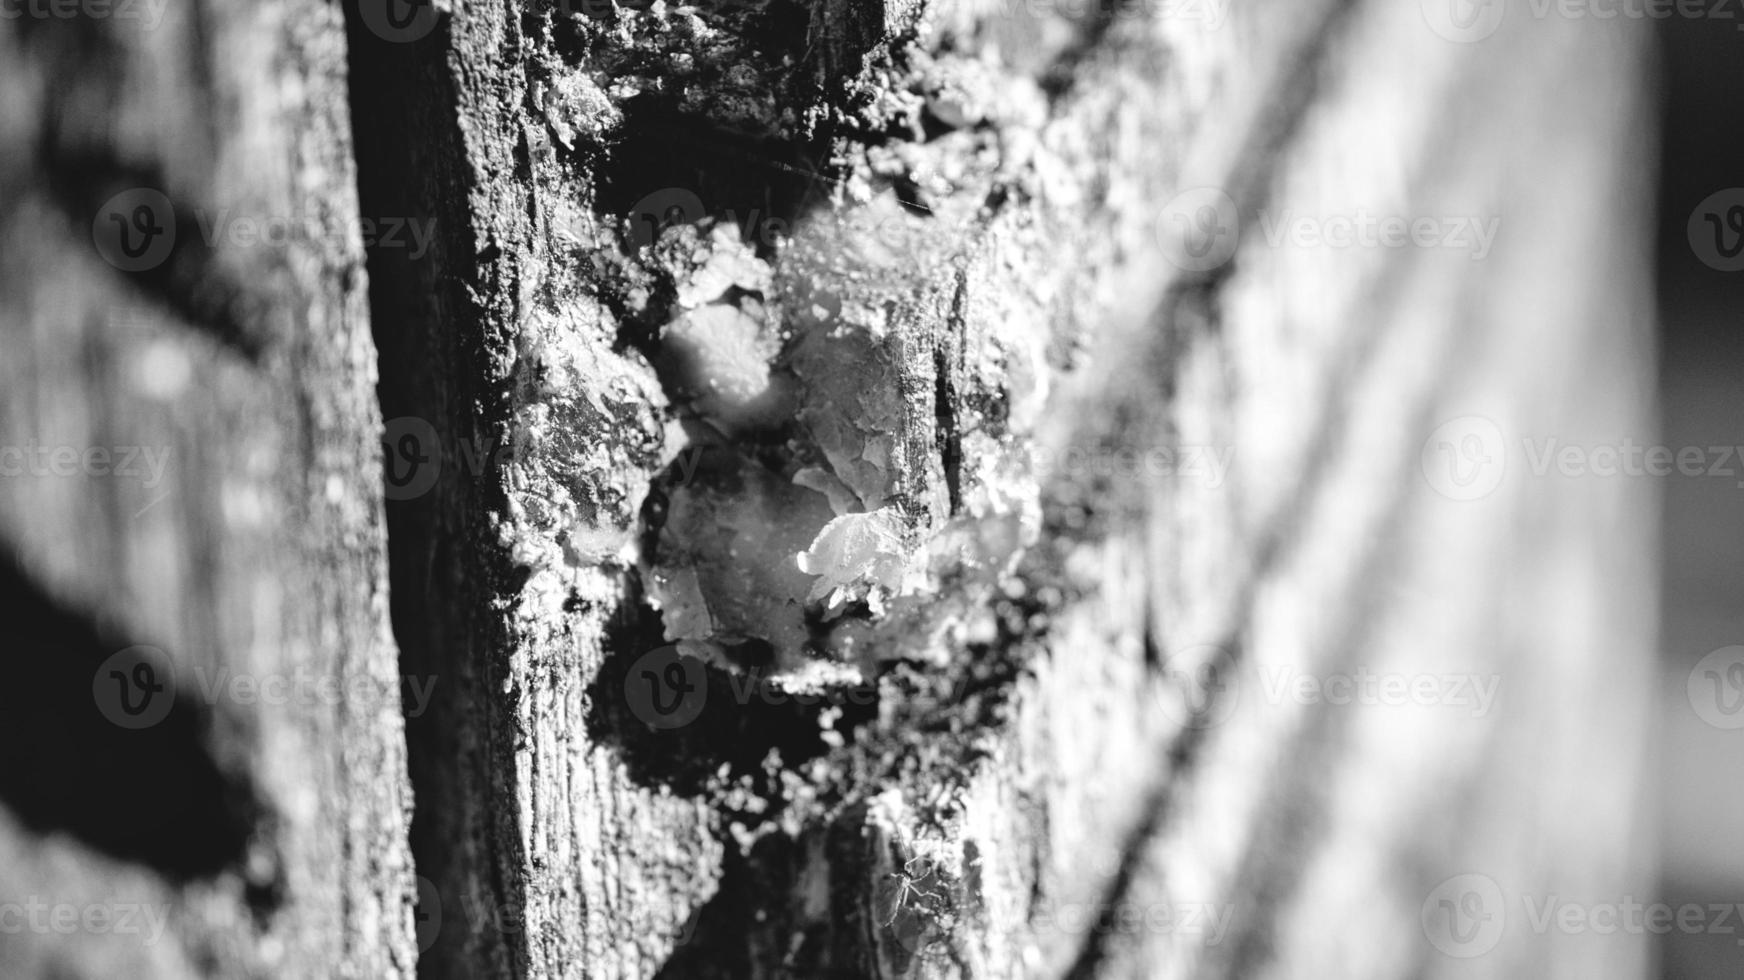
pixel 922 491
pixel 205 750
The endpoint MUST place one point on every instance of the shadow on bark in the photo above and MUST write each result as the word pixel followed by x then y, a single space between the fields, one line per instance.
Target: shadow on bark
pixel 147 787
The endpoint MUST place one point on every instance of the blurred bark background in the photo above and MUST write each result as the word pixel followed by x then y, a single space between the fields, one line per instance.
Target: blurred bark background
pixel 1108 774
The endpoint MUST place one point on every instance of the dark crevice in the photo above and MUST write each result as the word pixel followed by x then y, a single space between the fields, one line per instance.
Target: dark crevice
pixel 734 718
pixel 1153 651
pixel 669 167
pixel 948 429
pixel 760 913
pixel 77 701
pixel 448 574
pixel 713 944
pixel 908 195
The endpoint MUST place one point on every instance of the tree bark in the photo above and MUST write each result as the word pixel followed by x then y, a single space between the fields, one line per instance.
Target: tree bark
pixel 190 508
pixel 904 491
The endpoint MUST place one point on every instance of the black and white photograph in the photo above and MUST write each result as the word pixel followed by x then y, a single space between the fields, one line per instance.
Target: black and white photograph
pixel 871 489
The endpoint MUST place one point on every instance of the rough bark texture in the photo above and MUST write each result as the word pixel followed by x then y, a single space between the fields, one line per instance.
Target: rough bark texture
pixel 259 801
pixel 984 186
pixel 707 283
